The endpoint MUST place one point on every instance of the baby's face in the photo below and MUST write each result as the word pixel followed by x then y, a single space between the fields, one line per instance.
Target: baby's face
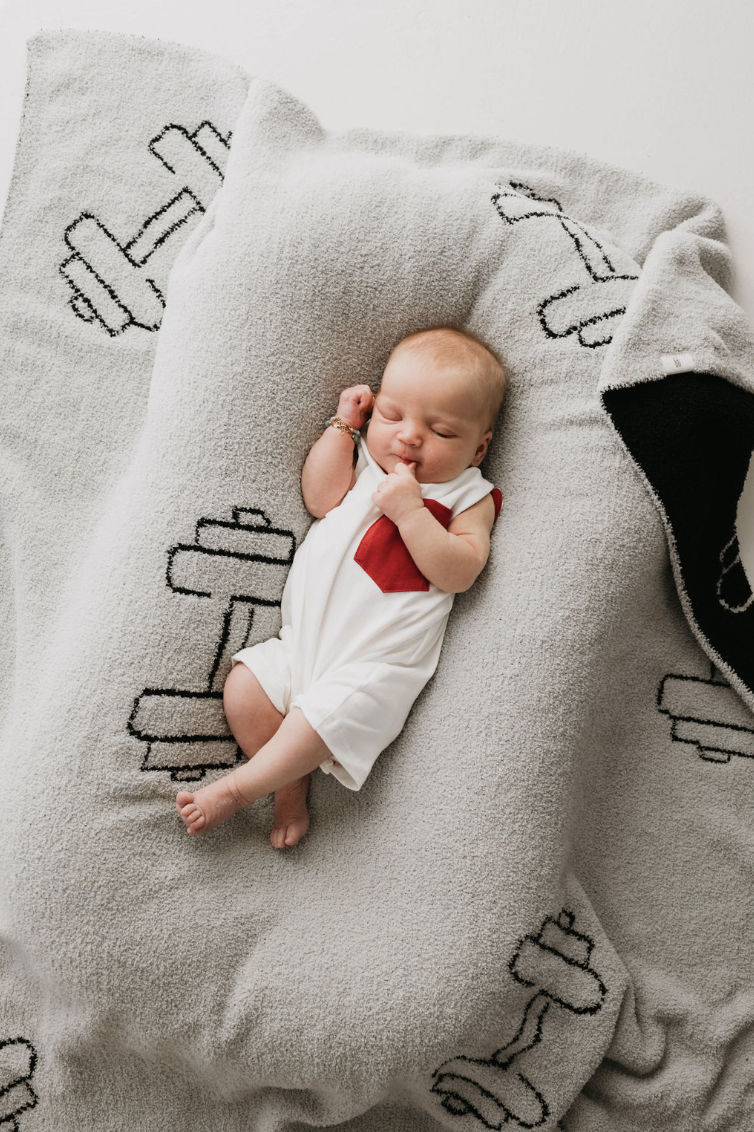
pixel 425 413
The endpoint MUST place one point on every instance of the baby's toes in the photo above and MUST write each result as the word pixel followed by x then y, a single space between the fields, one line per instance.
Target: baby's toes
pixel 193 817
pixel 182 798
pixel 277 837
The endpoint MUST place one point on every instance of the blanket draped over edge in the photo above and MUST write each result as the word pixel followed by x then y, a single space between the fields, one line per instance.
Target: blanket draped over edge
pixel 536 912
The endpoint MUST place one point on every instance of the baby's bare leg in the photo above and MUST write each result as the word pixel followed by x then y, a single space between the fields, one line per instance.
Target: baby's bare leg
pixel 254 719
pixel 285 760
pixel 251 715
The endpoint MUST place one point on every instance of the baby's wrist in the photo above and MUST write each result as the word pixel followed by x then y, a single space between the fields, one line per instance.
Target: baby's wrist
pixel 407 518
pixel 353 420
pixel 343 426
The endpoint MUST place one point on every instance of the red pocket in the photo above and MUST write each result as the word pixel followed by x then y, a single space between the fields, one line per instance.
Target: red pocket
pixel 385 557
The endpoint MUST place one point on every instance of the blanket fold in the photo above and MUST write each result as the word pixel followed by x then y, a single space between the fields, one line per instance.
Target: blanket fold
pixel 534 912
pixel 686 419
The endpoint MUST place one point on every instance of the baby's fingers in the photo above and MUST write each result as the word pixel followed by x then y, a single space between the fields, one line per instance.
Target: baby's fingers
pixel 366 397
pixel 355 392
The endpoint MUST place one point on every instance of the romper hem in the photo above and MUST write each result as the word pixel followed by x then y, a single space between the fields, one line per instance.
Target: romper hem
pixel 331 731
pixel 278 690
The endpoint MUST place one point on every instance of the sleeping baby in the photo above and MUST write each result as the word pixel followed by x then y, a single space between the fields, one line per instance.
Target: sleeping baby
pixel 404 521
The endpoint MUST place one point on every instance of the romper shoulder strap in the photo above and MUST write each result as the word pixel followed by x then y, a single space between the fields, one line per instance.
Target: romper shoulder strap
pixel 462 492
pixel 497 499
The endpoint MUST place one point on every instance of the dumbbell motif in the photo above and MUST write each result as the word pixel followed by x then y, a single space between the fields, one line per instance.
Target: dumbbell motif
pixel 17 1060
pixel 708 714
pixel 591 310
pixel 733 589
pixel 557 962
pixel 242 564
pixel 112 280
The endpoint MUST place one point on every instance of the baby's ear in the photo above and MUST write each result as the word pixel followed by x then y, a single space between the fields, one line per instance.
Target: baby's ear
pixel 482 447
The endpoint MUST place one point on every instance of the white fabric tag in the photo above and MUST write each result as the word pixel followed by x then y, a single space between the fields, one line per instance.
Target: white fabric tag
pixel 677 363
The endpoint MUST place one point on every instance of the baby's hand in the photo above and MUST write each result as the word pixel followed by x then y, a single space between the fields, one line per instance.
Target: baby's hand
pixel 355 404
pixel 399 494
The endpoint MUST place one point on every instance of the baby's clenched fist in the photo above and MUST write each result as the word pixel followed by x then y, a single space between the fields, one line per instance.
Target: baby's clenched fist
pixel 355 404
pixel 399 493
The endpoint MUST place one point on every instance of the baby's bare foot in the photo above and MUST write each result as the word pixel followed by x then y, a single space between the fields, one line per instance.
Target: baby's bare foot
pixel 208 807
pixel 291 819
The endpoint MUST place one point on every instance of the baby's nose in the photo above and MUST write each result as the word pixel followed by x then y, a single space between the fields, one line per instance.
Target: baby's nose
pixel 409 433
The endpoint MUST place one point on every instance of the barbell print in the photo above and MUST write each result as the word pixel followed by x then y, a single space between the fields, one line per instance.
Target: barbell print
pixel 556 962
pixel 112 281
pixel 17 1061
pixel 591 310
pixel 241 563
pixel 708 714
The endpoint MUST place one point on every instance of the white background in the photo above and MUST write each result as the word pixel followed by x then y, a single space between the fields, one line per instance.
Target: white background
pixel 665 87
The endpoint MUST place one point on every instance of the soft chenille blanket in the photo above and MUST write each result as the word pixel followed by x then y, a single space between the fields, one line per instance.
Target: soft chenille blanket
pixel 537 911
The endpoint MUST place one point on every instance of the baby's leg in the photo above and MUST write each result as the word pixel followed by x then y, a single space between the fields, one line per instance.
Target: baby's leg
pixel 293 751
pixel 283 764
pixel 251 715
pixel 254 719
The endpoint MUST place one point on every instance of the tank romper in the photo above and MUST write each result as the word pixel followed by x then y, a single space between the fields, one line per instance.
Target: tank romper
pixel 362 627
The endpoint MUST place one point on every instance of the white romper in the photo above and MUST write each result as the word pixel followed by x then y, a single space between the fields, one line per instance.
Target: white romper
pixel 362 628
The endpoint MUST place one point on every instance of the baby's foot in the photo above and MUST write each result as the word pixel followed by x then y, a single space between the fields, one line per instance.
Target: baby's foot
pixel 291 819
pixel 208 807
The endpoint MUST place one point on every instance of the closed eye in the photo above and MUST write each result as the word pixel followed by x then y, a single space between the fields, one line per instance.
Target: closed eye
pixel 444 435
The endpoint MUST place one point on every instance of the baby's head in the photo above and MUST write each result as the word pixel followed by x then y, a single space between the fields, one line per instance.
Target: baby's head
pixel 437 405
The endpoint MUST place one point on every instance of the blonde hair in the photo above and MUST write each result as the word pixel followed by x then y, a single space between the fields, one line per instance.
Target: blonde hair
pixel 482 367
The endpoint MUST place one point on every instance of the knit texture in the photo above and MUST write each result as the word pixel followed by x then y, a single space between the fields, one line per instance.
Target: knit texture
pixel 536 913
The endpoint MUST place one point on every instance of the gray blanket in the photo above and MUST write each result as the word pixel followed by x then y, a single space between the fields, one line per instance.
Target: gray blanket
pixel 536 913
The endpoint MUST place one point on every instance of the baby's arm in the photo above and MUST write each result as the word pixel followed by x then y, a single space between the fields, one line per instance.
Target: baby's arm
pixel 450 559
pixel 328 472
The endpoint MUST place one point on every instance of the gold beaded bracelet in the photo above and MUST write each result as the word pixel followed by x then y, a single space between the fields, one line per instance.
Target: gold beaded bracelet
pixel 342 426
